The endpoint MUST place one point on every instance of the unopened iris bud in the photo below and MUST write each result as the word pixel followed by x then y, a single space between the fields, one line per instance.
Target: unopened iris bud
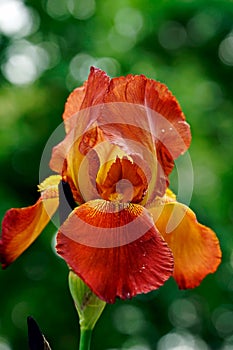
pixel 88 305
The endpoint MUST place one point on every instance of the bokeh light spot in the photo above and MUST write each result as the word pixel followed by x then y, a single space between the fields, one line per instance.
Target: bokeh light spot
pixel 128 22
pixel 223 321
pixel 228 343
pixel 82 9
pixel 16 19
pixel 139 347
pixel 226 51
pixel 4 345
pixel 25 63
pixel 19 314
pixel 181 341
pixel 57 9
pixel 120 43
pixel 135 342
pixel 20 69
pixel 80 66
pixel 53 52
pixel 183 313
pixel 172 35
pixel 110 65
pixel 128 319
pixel 203 26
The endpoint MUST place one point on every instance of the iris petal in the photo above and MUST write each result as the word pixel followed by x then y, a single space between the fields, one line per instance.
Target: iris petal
pixel 161 125
pixel 20 227
pixel 195 247
pixel 90 94
pixel 115 249
pixel 73 104
pixel 83 134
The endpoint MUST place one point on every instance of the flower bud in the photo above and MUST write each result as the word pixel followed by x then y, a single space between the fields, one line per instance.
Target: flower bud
pixel 88 305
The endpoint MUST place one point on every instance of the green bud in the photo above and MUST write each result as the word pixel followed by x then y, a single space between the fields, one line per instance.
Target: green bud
pixel 88 305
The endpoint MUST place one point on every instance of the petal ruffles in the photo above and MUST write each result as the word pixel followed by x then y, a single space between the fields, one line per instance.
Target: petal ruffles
pixel 195 247
pixel 115 249
pixel 20 227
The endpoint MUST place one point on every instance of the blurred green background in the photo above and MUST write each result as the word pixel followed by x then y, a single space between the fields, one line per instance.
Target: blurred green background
pixel 46 49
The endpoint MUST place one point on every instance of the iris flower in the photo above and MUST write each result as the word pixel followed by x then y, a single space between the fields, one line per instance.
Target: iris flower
pixel 124 233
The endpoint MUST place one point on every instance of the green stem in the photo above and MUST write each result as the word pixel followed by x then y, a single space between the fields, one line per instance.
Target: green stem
pixel 85 339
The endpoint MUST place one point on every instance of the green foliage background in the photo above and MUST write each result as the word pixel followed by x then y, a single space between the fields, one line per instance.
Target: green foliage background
pixel 188 45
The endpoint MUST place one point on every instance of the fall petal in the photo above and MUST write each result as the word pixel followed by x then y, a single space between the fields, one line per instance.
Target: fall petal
pixel 115 249
pixel 20 227
pixel 195 247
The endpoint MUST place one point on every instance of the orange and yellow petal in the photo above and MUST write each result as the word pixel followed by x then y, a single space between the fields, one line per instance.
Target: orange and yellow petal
pixel 115 249
pixel 83 133
pixel 20 227
pixel 70 155
pixel 195 247
pixel 125 181
pixel 80 118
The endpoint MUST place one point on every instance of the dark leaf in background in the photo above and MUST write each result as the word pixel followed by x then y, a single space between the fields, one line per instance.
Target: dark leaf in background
pixel 36 339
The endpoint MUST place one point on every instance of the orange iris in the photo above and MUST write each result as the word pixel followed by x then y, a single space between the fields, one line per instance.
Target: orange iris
pixel 125 234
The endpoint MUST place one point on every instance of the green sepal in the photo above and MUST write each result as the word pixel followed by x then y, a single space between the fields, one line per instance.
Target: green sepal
pixel 88 305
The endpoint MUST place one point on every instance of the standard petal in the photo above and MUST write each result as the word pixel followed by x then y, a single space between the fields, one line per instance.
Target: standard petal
pixel 145 111
pixel 167 123
pixel 88 95
pixel 195 247
pixel 73 105
pixel 115 249
pixel 173 133
pixel 81 112
pixel 20 227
